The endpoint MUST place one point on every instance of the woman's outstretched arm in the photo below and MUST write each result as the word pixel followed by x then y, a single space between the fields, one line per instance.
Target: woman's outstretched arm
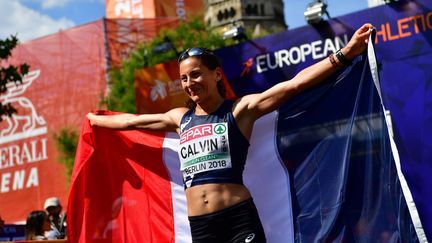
pixel 168 121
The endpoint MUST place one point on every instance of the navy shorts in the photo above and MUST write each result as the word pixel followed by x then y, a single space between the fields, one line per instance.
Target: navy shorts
pixel 238 223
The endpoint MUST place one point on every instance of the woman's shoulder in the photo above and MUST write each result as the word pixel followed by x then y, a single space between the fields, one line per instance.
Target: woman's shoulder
pixel 242 103
pixel 179 111
pixel 176 114
pixel 245 107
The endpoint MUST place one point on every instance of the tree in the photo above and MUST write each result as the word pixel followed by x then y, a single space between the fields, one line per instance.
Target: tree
pixel 67 143
pixel 9 74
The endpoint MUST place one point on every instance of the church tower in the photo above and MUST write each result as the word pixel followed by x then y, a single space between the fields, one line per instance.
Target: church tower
pixel 251 14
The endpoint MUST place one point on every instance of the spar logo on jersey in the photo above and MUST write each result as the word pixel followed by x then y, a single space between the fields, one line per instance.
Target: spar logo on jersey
pixel 198 132
pixel 220 128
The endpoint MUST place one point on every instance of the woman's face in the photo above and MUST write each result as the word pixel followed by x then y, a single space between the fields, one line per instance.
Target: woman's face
pixel 199 82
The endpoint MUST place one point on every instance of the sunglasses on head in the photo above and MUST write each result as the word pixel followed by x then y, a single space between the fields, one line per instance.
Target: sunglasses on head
pixel 192 52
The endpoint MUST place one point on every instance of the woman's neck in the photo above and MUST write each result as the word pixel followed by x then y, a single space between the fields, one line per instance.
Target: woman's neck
pixel 205 108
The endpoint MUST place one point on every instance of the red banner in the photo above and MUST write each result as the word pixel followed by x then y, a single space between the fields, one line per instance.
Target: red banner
pixel 125 34
pixel 181 9
pixel 158 89
pixel 129 9
pixel 66 80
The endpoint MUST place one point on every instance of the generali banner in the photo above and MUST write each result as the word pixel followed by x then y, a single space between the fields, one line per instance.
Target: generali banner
pixel 180 9
pixel 66 80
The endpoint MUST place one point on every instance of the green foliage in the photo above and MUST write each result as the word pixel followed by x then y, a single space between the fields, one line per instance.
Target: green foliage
pixel 67 142
pixel 187 34
pixel 10 73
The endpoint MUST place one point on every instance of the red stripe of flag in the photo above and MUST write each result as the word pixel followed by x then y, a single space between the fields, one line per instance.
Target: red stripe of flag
pixel 120 188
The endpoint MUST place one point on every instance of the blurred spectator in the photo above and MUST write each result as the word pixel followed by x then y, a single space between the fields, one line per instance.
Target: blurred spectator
pixel 58 230
pixel 36 226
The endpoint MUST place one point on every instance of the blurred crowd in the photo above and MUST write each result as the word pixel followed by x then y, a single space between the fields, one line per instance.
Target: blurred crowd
pixel 46 224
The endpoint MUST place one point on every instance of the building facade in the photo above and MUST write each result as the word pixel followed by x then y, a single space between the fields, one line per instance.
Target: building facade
pixel 253 14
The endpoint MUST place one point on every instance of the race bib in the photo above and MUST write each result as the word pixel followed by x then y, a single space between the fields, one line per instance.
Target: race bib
pixel 204 148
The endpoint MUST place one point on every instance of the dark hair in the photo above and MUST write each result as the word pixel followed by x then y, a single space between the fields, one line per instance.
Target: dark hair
pixel 35 224
pixel 209 60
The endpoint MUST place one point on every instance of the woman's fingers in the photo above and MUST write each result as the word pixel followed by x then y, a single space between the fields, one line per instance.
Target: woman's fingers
pixel 365 28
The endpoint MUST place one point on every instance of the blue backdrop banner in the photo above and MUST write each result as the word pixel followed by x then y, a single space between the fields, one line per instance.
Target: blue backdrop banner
pixel 333 139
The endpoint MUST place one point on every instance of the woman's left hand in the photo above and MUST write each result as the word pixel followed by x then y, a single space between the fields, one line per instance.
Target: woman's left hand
pixel 358 42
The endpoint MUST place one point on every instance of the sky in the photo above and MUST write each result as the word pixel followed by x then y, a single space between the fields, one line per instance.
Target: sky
pixel 31 19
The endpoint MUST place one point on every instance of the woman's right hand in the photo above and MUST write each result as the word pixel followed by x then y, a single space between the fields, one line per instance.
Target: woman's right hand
pixel 101 119
pixel 91 116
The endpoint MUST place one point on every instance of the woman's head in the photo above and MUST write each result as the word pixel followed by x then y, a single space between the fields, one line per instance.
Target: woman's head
pixel 37 223
pixel 200 71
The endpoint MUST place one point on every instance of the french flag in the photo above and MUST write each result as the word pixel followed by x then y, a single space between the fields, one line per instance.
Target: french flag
pixel 127 186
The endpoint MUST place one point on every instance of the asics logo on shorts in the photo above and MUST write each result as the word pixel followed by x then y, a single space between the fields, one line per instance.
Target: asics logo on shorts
pixel 250 238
